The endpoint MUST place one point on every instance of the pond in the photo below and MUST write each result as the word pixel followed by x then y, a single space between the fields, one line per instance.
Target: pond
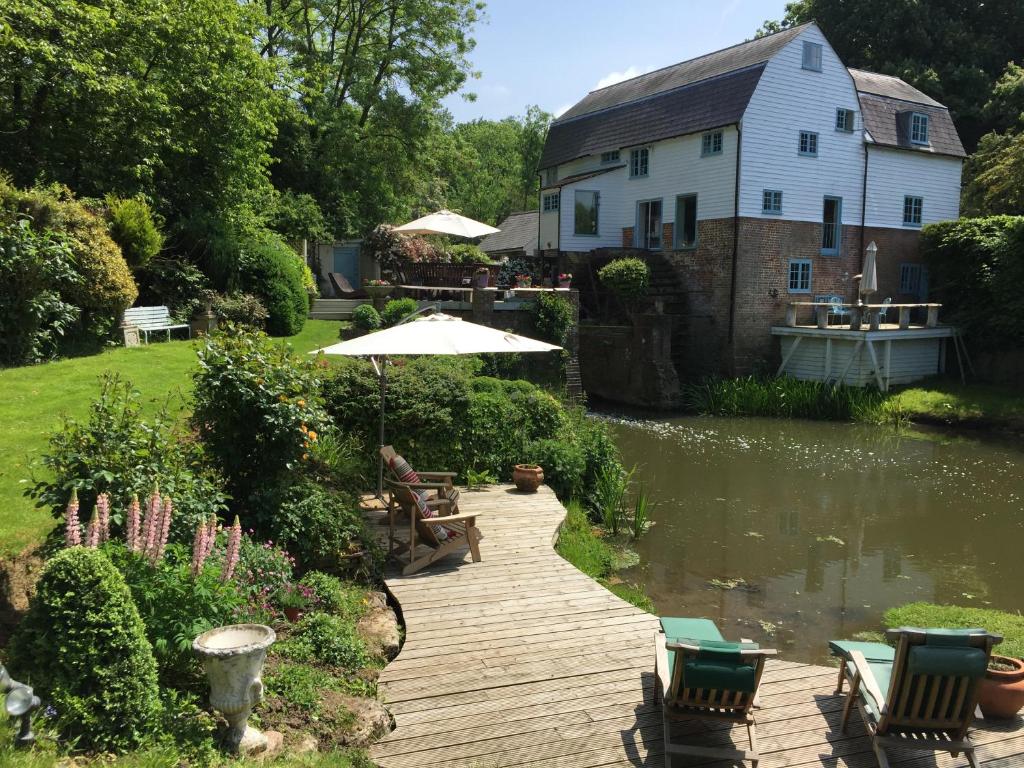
pixel 793 533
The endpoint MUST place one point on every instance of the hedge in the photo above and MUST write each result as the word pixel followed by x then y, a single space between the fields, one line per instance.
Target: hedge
pixel 273 272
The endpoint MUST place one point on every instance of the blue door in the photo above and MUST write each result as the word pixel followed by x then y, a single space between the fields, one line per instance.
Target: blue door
pixel 346 261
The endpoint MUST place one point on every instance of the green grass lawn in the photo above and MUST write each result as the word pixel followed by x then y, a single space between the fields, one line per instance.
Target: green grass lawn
pixel 35 398
pixel 950 402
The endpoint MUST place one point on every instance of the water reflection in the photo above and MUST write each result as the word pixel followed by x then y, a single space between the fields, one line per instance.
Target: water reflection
pixel 796 532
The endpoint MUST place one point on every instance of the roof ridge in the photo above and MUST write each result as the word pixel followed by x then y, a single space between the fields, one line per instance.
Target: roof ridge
pixel 702 56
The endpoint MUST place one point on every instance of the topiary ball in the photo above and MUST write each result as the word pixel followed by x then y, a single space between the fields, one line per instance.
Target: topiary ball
pixel 83 647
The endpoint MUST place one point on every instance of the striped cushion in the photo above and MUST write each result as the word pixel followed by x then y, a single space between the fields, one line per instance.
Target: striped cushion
pixel 403 471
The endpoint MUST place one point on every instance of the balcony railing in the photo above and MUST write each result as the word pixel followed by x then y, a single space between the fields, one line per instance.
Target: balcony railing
pixel 856 316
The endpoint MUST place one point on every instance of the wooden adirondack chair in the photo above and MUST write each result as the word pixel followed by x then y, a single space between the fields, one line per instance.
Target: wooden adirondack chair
pixel 705 677
pixel 924 695
pixel 434 522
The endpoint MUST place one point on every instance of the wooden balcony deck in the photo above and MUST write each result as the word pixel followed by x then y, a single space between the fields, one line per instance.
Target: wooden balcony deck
pixel 521 660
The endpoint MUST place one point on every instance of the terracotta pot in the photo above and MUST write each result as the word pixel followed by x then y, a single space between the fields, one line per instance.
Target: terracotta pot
pixel 564 283
pixel 1001 693
pixel 292 614
pixel 528 477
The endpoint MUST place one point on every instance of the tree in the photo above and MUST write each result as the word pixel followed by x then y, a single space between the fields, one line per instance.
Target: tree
pixel 994 174
pixel 952 50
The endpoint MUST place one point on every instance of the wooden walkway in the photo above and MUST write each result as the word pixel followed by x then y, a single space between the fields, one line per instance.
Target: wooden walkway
pixel 521 660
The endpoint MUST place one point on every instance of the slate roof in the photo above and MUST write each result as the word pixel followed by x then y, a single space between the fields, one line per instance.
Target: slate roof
pixel 886 103
pixel 518 231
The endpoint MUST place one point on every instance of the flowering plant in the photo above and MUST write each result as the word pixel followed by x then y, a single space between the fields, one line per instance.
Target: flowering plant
pixel 375 283
pixel 295 596
pixel 565 276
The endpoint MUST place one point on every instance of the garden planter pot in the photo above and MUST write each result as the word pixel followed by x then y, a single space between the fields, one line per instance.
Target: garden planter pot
pixel 480 281
pixel 1001 693
pixel 527 477
pixel 524 283
pixel 564 283
pixel 233 659
pixel 378 291
pixel 292 614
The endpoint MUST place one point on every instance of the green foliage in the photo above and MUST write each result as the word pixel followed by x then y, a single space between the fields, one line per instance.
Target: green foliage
pixel 994 176
pixel 314 523
pixel 134 228
pixel 467 253
pixel 388 248
pixel 609 497
pixel 397 310
pixel 298 684
pixel 257 409
pixel 634 595
pixel 365 318
pixel 578 544
pixel 298 217
pixel 175 606
pixel 552 317
pixel 781 397
pixel 628 277
pixel 83 648
pixel 263 571
pixel 511 268
pixel 975 266
pixel 1009 625
pixel 327 639
pixel 335 596
pixel 118 452
pixel 640 520
pixel 272 271
pixel 564 465
pixel 174 283
pixel 476 479
pixel 241 309
pixel 33 316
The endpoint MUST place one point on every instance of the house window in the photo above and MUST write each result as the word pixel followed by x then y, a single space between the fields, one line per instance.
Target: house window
pixel 711 143
pixel 551 202
pixel 831 226
pixel 587 203
pixel 799 275
pixel 638 162
pixel 550 176
pixel 610 157
pixel 910 278
pixel 808 144
pixel 912 206
pixel 771 201
pixel 844 119
pixel 648 225
pixel 918 128
pixel 686 222
pixel 812 56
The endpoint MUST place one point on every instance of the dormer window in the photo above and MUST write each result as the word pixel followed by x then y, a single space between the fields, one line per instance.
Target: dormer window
pixel 812 56
pixel 918 128
pixel 610 157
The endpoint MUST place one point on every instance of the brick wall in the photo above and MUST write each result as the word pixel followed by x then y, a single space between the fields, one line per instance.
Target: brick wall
pixel 627 237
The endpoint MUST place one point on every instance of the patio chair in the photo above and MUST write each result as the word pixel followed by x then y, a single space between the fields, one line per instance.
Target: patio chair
pixel 434 521
pixel 920 694
pixel 885 309
pixel 702 676
pixel 343 288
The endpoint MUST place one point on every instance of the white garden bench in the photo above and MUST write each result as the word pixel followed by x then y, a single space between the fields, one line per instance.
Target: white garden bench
pixel 148 319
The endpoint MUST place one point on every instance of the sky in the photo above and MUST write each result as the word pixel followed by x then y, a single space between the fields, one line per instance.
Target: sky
pixel 553 52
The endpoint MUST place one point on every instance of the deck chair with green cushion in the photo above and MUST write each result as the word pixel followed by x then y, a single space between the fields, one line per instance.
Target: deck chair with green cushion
pixel 920 694
pixel 434 520
pixel 702 676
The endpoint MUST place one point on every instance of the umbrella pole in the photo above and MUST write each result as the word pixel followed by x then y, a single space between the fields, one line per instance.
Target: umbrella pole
pixel 382 373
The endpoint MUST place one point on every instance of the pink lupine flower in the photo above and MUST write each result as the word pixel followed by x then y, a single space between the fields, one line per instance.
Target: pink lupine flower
pixel 132 534
pixel 151 525
pixel 92 533
pixel 198 549
pixel 231 556
pixel 72 528
pixel 165 531
pixel 211 535
pixel 103 513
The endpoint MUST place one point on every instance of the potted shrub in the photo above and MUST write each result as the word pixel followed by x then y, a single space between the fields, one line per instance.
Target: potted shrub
pixel 1001 693
pixel 565 279
pixel 528 477
pixel 293 600
pixel 524 281
pixel 377 289
pixel 481 277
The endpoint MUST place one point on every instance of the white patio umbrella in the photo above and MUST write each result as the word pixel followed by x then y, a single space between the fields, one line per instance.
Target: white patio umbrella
pixel 447 223
pixel 438 334
pixel 869 275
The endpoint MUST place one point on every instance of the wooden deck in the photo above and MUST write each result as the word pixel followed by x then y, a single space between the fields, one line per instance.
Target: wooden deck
pixel 521 660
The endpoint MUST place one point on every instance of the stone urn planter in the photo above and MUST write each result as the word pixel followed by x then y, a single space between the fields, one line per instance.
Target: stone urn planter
pixel 233 659
pixel 378 291
pixel 481 278
pixel 1001 692
pixel 528 477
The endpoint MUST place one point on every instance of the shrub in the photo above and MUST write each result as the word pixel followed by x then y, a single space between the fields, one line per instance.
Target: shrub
pixel 388 248
pixel 175 283
pixel 84 648
pixel 298 217
pixel 397 310
pixel 263 571
pixel 33 316
pixel 314 523
pixel 335 596
pixel 563 463
pixel 467 253
pixel 417 249
pixel 511 268
pixel 1009 625
pixel 257 409
pixel 309 283
pixel 272 271
pixel 552 317
pixel 134 229
pixel 628 278
pixel 119 453
pixel 321 637
pixel 241 309
pixel 365 318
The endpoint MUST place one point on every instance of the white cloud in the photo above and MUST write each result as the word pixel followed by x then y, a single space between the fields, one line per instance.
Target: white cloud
pixel 617 77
